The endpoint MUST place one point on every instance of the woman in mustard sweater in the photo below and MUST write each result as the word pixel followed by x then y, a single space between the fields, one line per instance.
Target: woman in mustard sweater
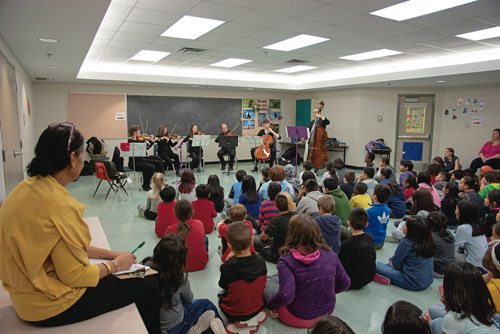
pixel 45 245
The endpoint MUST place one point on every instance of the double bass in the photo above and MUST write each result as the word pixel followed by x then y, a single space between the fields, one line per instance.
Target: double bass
pixel 317 151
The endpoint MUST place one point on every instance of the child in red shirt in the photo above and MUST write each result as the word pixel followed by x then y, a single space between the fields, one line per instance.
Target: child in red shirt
pixel 191 230
pixel 166 214
pixel 204 209
pixel 237 212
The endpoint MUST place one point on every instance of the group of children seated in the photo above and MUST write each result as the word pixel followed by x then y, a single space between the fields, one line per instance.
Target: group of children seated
pixel 323 236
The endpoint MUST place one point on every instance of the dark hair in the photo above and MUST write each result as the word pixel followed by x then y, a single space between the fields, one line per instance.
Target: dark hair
pixel 249 188
pixel 281 202
pixel 51 151
pixel 187 182
pixel 370 156
pixel 238 235
pixel 469 172
pixel 339 163
pixel 369 171
pixel 358 218
pixel 213 184
pixel 386 161
pixel 407 164
pixel 446 175
pixel 496 229
pixel 437 222
pixel 457 173
pixel 394 187
pixel 491 176
pixel 466 293
pixel 265 173
pixel 169 258
pixel 386 172
pixel 240 174
pixel 494 196
pixel 360 188
pixel 183 211
pixel 350 177
pixel 307 175
pixel 167 194
pixel 273 190
pixel 162 131
pixel 452 151
pixel 422 200
pixel 307 165
pixel 439 160
pixel 434 169
pixel 132 128
pixel 202 191
pixel 331 325
pixel 311 185
pixel 382 192
pixel 304 232
pixel 404 317
pixel 452 192
pixel 424 177
pixel 470 182
pixel 237 212
pixel 326 202
pixel 468 214
pixel 331 183
pixel 411 182
pixel 330 168
pixel 420 234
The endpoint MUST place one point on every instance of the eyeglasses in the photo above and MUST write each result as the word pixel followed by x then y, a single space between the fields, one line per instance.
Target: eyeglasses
pixel 65 125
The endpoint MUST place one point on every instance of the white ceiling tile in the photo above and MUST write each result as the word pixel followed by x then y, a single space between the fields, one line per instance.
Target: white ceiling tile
pixel 103 33
pixel 206 45
pixel 170 41
pixel 242 3
pixel 110 24
pixel 117 12
pixel 128 45
pixel 170 6
pixel 261 18
pixel 142 28
pixel 290 7
pixel 133 37
pixel 217 11
pixel 153 17
pixel 299 25
pixel 219 37
pixel 129 3
pixel 240 29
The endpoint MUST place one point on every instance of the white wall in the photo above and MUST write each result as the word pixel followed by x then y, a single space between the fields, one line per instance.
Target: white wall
pixel 51 104
pixel 26 122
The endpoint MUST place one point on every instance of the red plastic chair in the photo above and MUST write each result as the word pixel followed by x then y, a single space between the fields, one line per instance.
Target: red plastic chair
pixel 116 182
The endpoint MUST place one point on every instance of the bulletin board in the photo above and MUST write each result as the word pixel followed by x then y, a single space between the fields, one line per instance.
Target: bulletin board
pixel 99 115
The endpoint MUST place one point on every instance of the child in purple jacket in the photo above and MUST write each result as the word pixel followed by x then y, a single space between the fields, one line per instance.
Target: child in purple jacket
pixel 310 275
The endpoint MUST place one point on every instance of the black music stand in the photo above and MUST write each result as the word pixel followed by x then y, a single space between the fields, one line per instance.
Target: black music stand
pixel 229 142
pixel 297 132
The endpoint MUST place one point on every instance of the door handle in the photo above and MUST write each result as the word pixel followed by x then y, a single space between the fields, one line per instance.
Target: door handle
pixel 16 153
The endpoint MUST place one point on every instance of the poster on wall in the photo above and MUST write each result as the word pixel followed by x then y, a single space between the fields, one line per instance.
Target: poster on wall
pixel 249 104
pixel 262 118
pixel 477 121
pixel 262 105
pixel 415 118
pixel 248 124
pixel 274 104
pixel 275 116
pixel 248 114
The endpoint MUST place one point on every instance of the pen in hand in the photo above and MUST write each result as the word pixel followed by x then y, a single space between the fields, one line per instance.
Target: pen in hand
pixel 140 245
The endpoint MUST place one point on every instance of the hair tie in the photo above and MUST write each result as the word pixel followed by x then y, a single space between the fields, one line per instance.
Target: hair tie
pixel 493 255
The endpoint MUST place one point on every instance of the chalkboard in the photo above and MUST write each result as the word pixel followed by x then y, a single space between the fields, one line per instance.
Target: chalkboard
pixel 183 111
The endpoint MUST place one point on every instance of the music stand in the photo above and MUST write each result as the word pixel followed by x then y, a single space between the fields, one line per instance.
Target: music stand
pixel 297 132
pixel 133 150
pixel 201 141
pixel 178 146
pixel 229 142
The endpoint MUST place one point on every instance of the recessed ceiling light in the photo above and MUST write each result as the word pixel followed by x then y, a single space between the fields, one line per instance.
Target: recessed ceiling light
pixel 47 40
pixel 371 54
pixel 481 34
pixel 440 81
pixel 148 55
pixel 191 27
pixel 231 62
pixel 293 69
pixel 296 42
pixel 415 8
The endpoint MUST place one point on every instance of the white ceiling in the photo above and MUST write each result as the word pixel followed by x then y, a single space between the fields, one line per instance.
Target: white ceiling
pixel 428 43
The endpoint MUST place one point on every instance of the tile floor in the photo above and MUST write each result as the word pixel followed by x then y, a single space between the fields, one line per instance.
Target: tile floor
pixel 363 310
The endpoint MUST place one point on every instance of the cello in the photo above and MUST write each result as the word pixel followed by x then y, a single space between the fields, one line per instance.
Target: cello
pixel 318 153
pixel 263 152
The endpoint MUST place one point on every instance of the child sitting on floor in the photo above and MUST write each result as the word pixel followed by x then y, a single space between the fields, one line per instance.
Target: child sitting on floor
pixel 268 209
pixel 237 213
pixel 166 211
pixel 367 178
pixel 153 197
pixel 378 215
pixel 203 209
pixel 406 169
pixel 330 225
pixel 404 317
pixel 360 199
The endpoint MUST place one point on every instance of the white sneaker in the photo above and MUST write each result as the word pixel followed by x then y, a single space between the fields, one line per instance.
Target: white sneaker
pixel 203 323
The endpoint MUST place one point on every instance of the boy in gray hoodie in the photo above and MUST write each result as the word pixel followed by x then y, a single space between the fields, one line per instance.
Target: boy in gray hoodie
pixel 308 203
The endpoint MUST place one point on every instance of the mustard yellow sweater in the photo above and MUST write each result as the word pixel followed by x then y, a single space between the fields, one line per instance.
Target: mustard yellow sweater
pixel 43 249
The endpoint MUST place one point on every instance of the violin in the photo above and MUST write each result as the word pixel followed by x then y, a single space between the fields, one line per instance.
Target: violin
pixel 231 133
pixel 263 152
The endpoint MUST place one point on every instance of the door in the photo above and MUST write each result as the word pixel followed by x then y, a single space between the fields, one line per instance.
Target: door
pixel 9 126
pixel 415 121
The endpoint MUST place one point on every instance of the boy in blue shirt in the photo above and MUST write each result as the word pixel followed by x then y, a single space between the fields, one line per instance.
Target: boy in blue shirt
pixel 378 215
pixel 235 193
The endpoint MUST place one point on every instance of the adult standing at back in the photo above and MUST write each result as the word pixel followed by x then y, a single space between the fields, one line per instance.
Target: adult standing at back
pixel 489 153
pixel 45 250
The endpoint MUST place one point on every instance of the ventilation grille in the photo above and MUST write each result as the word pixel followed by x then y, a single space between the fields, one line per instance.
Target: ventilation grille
pixel 296 61
pixel 41 79
pixel 187 50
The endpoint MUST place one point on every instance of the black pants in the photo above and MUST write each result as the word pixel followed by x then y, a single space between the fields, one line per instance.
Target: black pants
pixel 478 163
pixel 230 151
pixel 148 166
pixel 272 157
pixel 170 160
pixel 195 153
pixel 110 294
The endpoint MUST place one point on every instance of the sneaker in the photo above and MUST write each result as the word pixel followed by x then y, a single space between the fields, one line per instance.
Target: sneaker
pixel 256 321
pixel 217 326
pixel 390 238
pixel 255 169
pixel 140 209
pixel 233 329
pixel 230 167
pixel 381 279
pixel 203 323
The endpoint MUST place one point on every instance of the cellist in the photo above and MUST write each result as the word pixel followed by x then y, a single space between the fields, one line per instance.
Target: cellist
pixel 264 133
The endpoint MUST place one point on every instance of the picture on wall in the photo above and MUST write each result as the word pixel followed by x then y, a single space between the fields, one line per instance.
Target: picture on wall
pixel 248 114
pixel 415 118
pixel 262 117
pixel 275 116
pixel 274 104
pixel 248 124
pixel 262 105
pixel 249 104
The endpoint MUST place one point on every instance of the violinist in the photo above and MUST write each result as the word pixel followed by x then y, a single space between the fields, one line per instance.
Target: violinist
pixel 147 165
pixel 195 152
pixel 230 151
pixel 265 134
pixel 165 143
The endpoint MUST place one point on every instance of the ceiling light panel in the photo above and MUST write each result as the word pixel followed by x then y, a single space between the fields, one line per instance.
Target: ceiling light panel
pixel 296 42
pixel 295 69
pixel 481 34
pixel 371 54
pixel 415 8
pixel 231 62
pixel 149 55
pixel 191 27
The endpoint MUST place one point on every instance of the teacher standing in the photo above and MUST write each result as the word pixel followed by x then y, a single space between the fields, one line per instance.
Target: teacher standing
pixel 489 153
pixel 45 246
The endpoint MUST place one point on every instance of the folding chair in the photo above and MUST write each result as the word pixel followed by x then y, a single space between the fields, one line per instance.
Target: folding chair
pixel 116 181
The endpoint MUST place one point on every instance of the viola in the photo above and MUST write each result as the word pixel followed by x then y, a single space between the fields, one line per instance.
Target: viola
pixel 263 152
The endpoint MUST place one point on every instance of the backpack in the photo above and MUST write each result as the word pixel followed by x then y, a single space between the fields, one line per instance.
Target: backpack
pixel 289 156
pixel 96 147
pixel 375 144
